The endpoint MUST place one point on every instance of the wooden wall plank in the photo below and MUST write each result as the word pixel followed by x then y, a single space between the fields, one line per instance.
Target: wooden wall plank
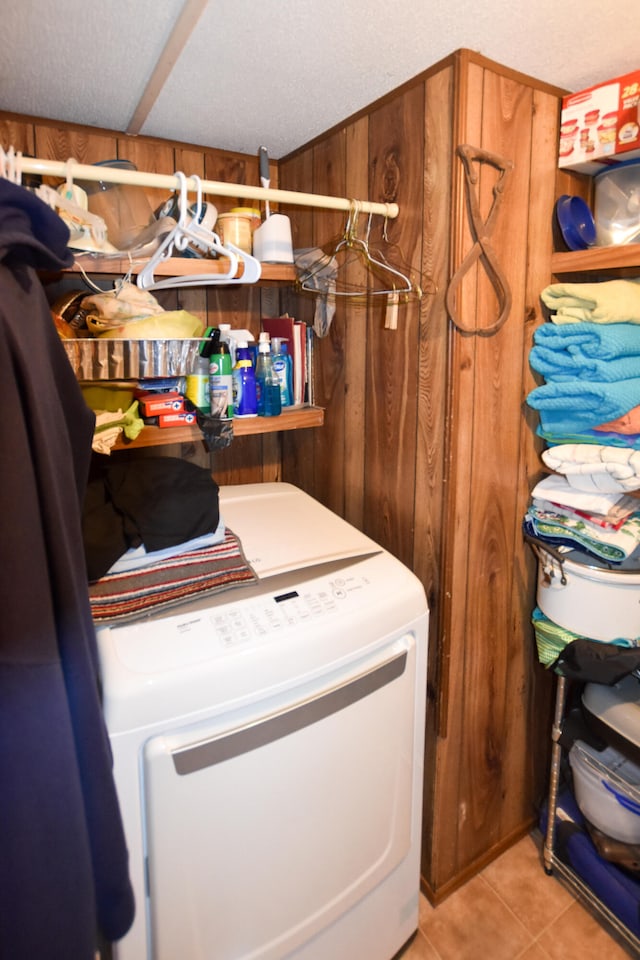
pixel 432 406
pixel 396 163
pixel 536 682
pixel 17 134
pixel 355 334
pixel 329 177
pixel 298 452
pixel 492 493
pixel 450 811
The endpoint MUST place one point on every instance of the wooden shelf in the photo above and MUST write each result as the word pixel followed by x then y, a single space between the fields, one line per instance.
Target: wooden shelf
pixel 295 418
pixel 292 418
pixel 181 266
pixel 622 260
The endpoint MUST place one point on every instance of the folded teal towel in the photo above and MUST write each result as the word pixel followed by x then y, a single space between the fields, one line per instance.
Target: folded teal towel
pixel 608 342
pixel 587 351
pixel 575 405
pixel 560 366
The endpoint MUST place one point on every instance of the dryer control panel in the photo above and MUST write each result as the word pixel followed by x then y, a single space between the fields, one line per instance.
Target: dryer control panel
pixel 282 611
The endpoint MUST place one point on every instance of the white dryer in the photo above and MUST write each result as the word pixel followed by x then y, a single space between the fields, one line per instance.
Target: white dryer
pixel 268 748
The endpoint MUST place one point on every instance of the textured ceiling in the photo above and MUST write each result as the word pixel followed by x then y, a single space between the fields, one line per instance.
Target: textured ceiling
pixel 242 73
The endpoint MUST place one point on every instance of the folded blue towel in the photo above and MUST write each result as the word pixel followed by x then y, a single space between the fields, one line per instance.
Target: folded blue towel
pixel 559 365
pixel 603 342
pixel 587 351
pixel 576 405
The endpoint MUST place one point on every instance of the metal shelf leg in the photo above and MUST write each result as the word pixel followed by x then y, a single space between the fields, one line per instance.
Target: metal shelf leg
pixel 554 777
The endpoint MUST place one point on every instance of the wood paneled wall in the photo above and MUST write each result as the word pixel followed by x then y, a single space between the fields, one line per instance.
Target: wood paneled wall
pixel 428 445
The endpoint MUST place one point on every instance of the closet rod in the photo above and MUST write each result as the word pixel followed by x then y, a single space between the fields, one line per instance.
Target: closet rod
pixel 81 171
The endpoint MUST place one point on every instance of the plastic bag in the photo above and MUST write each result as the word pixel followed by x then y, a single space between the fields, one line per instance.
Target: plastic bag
pixel 169 325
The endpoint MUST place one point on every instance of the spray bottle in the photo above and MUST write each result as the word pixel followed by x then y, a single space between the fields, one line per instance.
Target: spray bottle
pixel 220 379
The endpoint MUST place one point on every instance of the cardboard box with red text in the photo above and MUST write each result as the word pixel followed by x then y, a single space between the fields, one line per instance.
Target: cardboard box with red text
pixel 600 126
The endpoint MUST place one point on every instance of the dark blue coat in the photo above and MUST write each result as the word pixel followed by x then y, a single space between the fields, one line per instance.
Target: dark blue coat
pixel 63 859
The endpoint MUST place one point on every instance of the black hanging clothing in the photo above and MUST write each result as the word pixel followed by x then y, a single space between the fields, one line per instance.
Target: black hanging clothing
pixel 591 661
pixel 63 859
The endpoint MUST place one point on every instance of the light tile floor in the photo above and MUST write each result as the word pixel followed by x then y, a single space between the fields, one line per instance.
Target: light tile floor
pixel 512 909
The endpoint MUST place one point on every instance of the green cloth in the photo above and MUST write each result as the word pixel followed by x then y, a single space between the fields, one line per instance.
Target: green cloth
pixel 610 301
pixel 551 639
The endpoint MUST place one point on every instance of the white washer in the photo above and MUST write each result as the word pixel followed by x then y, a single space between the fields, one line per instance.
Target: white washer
pixel 268 748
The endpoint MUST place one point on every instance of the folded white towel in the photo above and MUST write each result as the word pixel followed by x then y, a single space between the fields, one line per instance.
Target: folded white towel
pixel 557 489
pixel 593 467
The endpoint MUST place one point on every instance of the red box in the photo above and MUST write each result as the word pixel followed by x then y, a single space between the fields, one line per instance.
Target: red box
pixel 153 404
pixel 176 419
pixel 601 125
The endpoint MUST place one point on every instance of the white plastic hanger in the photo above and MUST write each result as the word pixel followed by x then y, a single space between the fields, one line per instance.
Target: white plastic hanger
pixel 11 165
pixel 186 231
pixel 79 220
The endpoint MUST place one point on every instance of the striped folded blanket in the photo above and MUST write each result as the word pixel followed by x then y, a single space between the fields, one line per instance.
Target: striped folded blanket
pixel 134 594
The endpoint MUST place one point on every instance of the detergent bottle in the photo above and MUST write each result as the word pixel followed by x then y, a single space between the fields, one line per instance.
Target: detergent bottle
pixel 245 400
pixel 283 369
pixel 267 383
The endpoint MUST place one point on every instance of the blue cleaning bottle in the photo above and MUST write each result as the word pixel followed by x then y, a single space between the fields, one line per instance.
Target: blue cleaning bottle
pixel 284 370
pixel 267 383
pixel 245 400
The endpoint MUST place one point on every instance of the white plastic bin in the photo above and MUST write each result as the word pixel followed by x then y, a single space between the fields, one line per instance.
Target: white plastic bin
pixel 607 791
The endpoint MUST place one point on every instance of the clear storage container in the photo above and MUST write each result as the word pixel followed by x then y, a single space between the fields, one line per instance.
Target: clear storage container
pixel 617 204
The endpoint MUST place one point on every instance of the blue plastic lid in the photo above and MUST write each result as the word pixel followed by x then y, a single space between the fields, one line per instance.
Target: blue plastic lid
pixel 576 222
pixel 616 166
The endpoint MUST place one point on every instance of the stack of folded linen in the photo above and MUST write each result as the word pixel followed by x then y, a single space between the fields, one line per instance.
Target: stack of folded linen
pixel 605 525
pixel 589 356
pixel 589 415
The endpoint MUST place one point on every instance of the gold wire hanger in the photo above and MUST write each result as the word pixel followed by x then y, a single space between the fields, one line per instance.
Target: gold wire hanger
pixel 397 260
pixel 395 282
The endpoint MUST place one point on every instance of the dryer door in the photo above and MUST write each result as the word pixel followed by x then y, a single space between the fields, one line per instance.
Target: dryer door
pixel 265 827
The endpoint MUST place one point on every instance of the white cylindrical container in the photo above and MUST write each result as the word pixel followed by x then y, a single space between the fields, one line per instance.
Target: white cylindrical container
pixel 589 599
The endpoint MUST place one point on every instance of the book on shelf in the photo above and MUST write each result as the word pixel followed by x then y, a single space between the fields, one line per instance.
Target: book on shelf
pixel 295 333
